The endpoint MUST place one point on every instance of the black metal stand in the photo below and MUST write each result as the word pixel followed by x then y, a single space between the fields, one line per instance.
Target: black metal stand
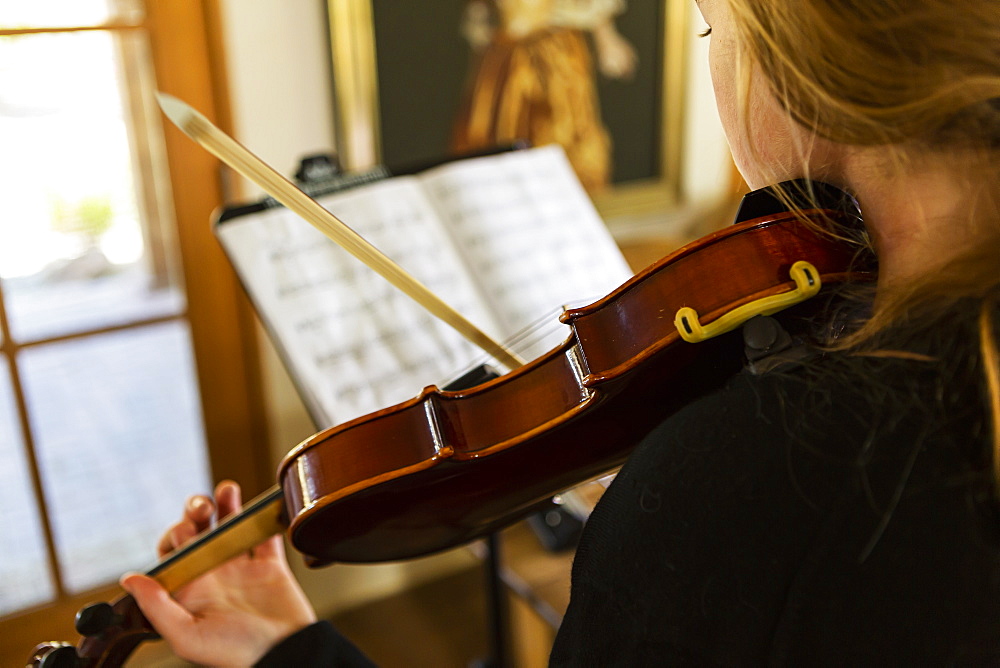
pixel 497 609
pixel 496 600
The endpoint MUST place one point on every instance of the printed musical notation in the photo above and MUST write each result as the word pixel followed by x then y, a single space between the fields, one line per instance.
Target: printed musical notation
pixel 502 239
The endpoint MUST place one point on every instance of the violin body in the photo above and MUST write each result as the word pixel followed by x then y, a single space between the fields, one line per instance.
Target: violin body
pixel 450 466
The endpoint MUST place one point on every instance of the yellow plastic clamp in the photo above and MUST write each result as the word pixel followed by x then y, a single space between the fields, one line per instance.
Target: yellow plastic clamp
pixel 807 284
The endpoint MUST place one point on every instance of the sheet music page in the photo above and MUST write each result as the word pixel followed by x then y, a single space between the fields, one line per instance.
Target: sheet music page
pixel 529 233
pixel 353 342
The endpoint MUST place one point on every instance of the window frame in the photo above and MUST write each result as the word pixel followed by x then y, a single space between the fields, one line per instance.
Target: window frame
pixel 221 320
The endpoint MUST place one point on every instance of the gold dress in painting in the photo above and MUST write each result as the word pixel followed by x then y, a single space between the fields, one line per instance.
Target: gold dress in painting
pixel 533 79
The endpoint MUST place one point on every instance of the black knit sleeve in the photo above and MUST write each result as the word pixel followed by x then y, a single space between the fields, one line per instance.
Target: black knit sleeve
pixel 788 520
pixel 686 558
pixel 315 646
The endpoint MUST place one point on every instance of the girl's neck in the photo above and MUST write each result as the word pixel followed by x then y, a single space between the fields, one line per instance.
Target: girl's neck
pixel 920 216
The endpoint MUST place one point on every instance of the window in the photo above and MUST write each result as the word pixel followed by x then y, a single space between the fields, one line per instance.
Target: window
pixel 110 338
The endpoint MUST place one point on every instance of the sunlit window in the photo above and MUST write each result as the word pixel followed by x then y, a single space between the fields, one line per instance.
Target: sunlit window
pixel 101 435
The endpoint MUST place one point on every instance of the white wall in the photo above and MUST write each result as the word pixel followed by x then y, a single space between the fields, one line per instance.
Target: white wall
pixel 279 80
pixel 707 161
pixel 279 83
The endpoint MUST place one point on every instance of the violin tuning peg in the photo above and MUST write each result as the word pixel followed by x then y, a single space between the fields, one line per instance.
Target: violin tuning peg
pixel 94 619
pixel 57 655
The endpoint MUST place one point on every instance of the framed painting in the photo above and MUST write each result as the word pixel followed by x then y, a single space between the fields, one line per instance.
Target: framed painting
pixel 416 82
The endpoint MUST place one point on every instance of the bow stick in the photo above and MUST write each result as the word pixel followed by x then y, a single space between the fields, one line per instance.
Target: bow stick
pixel 227 149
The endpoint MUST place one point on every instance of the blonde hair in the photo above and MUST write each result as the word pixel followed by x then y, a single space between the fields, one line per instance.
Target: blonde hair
pixel 922 78
pixel 880 71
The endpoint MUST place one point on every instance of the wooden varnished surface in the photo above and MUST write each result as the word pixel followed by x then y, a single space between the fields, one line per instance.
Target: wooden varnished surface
pixel 539 582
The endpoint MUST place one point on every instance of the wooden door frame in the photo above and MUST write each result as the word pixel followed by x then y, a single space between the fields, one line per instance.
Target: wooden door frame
pixel 190 64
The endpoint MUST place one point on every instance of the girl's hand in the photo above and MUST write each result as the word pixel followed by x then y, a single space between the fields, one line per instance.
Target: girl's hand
pixel 233 614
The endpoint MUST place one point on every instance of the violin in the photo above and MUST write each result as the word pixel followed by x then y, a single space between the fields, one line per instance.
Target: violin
pixel 450 466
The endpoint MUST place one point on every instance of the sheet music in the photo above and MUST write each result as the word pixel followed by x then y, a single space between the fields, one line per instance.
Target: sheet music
pixel 355 343
pixel 505 240
pixel 529 233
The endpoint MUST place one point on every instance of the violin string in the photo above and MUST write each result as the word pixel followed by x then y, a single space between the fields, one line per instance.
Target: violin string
pixel 537 337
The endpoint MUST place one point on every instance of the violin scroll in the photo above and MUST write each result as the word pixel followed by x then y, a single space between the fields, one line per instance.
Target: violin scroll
pixel 111 632
pixel 54 655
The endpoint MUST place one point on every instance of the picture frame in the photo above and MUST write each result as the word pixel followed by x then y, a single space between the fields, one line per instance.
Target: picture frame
pixel 399 71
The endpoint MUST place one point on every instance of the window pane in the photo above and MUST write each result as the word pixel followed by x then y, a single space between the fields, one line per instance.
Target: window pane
pixel 24 576
pixel 77 254
pixel 119 441
pixel 61 13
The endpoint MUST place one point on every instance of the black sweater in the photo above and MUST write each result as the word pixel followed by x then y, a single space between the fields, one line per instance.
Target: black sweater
pixel 795 518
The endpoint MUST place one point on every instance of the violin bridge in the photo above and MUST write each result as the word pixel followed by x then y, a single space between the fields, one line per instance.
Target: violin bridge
pixel 441 449
pixel 576 363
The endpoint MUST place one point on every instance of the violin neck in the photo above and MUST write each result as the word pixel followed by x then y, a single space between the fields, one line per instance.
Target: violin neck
pixel 259 520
